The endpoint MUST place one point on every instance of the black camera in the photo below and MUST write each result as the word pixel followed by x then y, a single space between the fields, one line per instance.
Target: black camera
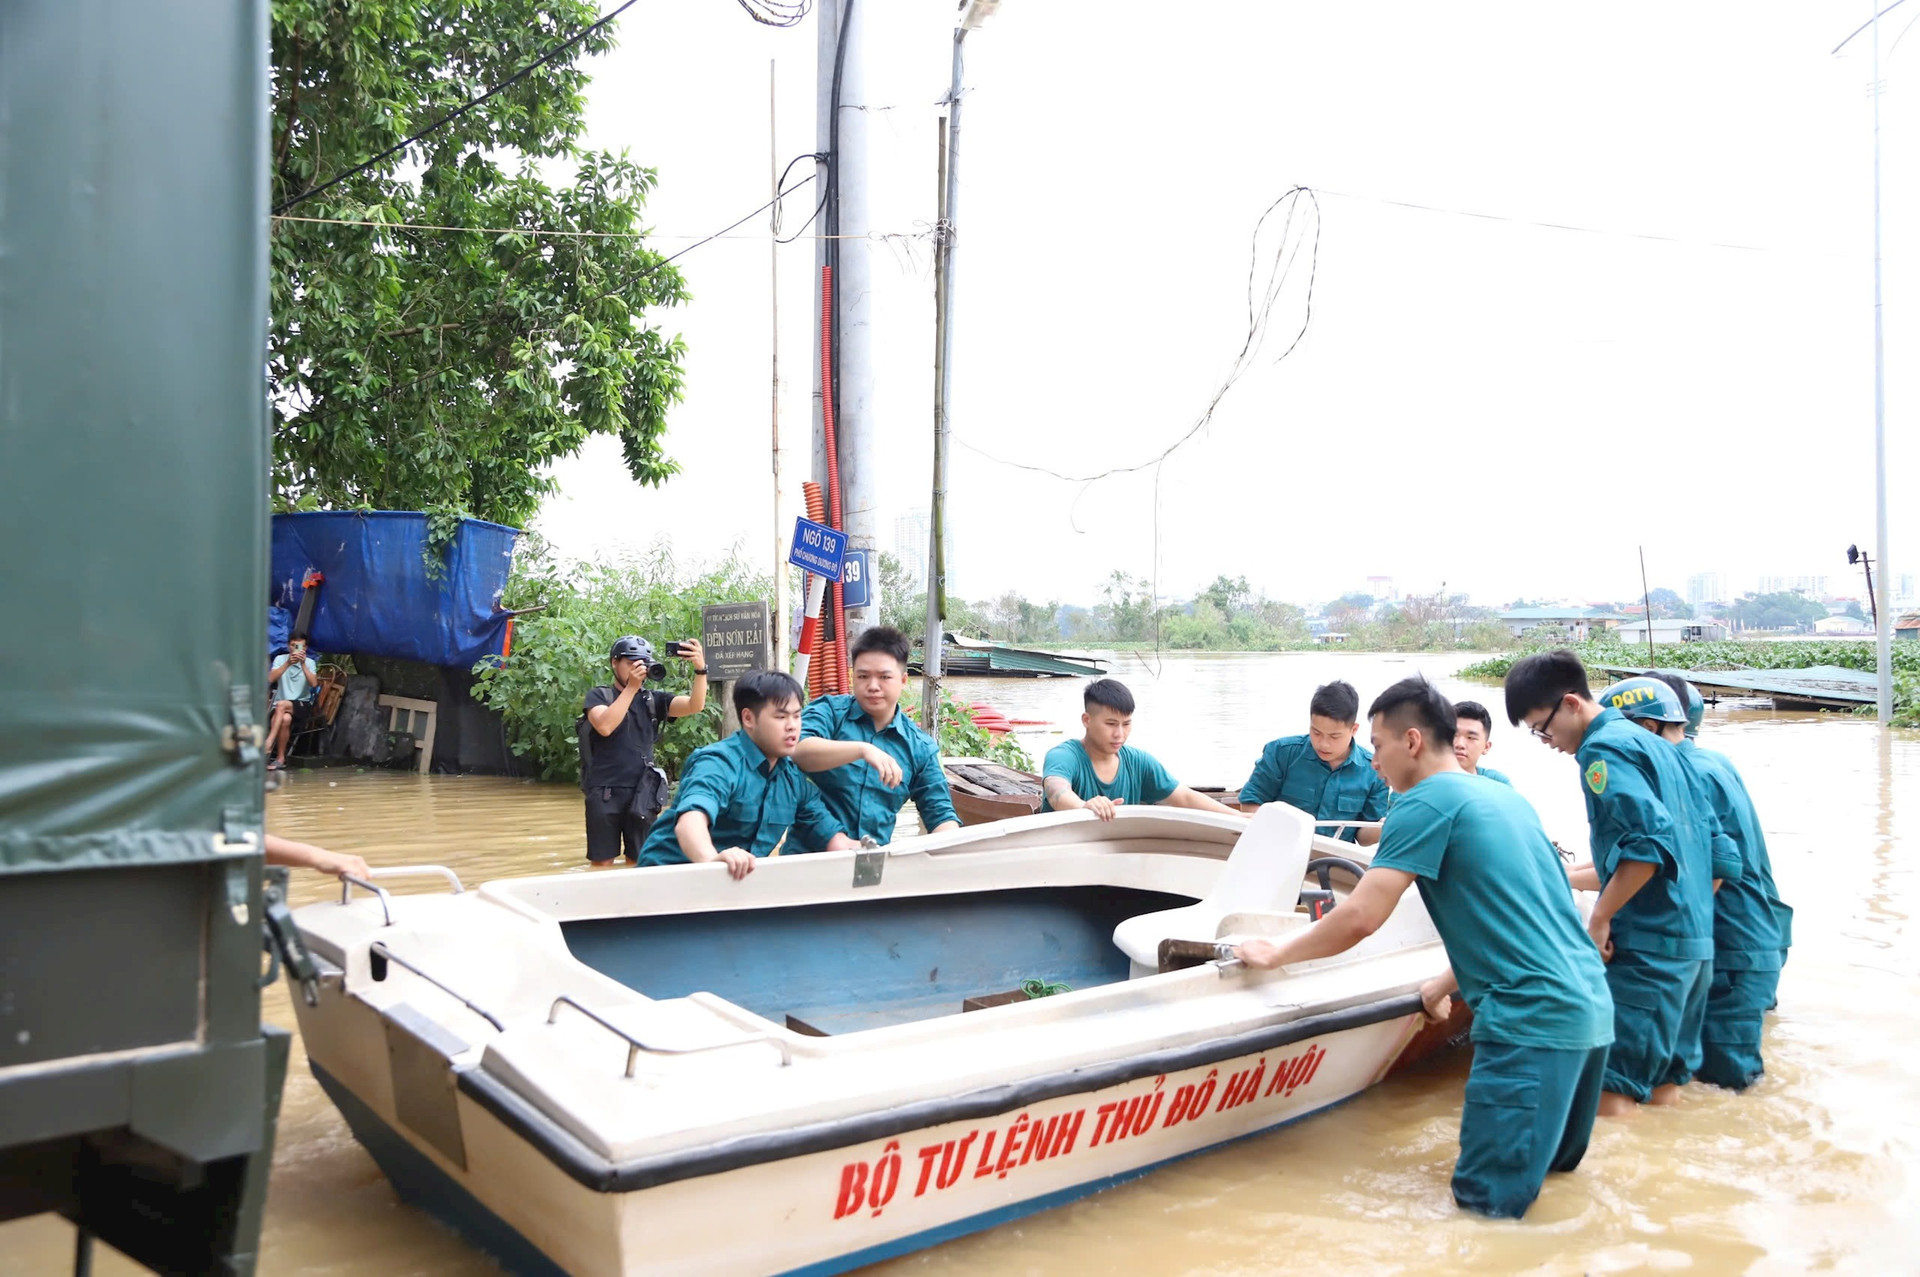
pixel 681 648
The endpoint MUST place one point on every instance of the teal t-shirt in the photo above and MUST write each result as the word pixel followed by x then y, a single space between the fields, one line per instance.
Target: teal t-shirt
pixel 854 794
pixel 1491 774
pixel 1140 780
pixel 1288 771
pixel 1640 807
pixel 1748 914
pixel 1498 895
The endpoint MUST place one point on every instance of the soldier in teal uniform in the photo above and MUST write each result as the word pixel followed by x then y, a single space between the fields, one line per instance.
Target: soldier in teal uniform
pixel 1101 771
pixel 1653 866
pixel 1750 936
pixel 740 797
pixel 1472 738
pixel 865 755
pixel 1495 889
pixel 1326 772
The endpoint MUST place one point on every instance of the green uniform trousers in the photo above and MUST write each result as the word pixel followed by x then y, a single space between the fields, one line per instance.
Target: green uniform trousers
pixel 1529 1110
pixel 1659 1008
pixel 1737 1005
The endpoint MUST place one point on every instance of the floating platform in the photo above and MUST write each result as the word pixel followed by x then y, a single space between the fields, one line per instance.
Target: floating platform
pixel 979 658
pixel 1815 687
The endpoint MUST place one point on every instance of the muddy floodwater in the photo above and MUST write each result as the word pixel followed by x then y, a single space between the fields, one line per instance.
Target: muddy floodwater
pixel 1813 1169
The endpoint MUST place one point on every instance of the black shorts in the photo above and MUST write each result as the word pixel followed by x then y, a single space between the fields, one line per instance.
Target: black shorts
pixel 612 826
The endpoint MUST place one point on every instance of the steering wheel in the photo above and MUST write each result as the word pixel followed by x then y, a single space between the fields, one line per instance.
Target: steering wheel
pixel 1322 867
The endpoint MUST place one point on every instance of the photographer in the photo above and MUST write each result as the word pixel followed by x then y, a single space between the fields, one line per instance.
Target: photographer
pixel 624 789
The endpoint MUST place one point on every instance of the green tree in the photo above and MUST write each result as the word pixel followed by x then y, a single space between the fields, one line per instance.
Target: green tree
pixel 1854 610
pixel 902 604
pixel 1228 596
pixel 420 369
pixel 1668 603
pixel 1783 610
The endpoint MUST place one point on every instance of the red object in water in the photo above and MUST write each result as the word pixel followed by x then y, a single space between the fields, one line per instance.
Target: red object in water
pixel 986 716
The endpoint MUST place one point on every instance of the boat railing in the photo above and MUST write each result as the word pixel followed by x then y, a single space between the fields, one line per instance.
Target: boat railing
pixel 635 1046
pixel 348 882
pixel 381 954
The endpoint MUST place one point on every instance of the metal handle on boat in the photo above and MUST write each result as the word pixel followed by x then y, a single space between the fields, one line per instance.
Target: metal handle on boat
pixel 381 951
pixel 416 871
pixel 635 1045
pixel 348 882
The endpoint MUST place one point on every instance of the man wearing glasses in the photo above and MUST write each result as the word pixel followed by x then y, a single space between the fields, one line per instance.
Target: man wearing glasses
pixel 1652 864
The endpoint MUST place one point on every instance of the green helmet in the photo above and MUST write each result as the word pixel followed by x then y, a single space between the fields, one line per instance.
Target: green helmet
pixel 1696 704
pixel 1645 698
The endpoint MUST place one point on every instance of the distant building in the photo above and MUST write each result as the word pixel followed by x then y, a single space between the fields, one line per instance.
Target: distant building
pixel 1907 627
pixel 912 536
pixel 1707 587
pixel 1382 589
pixel 1581 621
pixel 1811 586
pixel 1903 588
pixel 1841 624
pixel 1673 631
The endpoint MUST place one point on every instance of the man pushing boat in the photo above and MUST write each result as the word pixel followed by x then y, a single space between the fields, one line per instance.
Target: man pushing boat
pixel 1495 889
pixel 865 755
pixel 740 798
pixel 1100 771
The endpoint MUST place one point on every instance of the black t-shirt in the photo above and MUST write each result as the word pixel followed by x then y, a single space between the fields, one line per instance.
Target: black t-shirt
pixel 618 759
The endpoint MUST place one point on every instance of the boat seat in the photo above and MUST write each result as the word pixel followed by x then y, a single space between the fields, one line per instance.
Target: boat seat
pixel 1262 875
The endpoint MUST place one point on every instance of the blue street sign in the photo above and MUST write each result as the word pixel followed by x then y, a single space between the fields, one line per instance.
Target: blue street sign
pixel 856 589
pixel 818 548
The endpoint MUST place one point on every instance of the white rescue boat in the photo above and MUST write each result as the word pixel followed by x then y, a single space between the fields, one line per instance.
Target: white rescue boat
pixel 670 1071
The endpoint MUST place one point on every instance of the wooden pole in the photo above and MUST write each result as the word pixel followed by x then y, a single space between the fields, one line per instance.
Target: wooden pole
pixel 1646 601
pixel 931 652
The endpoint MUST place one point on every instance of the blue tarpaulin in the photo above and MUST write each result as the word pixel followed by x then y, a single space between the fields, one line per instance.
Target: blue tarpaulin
pixel 378 598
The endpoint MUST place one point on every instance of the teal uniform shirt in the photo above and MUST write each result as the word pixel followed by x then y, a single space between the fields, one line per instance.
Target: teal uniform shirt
pixel 751 801
pixel 1491 774
pixel 1140 780
pixel 1747 911
pixel 854 794
pixel 1498 895
pixel 1288 771
pixel 1628 776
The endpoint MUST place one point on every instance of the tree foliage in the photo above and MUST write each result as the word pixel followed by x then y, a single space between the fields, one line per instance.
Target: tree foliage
pixel 1784 610
pixel 436 370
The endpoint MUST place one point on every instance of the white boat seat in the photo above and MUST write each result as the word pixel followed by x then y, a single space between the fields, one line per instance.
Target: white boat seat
pixel 1263 875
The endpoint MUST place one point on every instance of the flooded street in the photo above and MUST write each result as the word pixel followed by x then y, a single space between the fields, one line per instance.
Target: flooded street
pixel 1812 1169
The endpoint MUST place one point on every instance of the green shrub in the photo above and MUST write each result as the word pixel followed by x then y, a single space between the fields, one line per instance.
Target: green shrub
pixel 559 653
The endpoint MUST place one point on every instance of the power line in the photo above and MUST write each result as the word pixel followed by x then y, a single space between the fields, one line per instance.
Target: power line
pixel 534 232
pixel 307 418
pixel 458 111
pixel 777 13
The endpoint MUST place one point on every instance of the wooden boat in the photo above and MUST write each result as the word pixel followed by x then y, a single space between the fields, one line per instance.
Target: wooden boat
pixel 984 792
pixel 668 1071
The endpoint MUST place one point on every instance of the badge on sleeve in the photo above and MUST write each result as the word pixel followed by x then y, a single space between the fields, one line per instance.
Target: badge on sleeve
pixel 1597 776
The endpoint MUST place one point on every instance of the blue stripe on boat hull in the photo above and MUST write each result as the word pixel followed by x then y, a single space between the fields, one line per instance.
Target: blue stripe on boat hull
pixel 420 1183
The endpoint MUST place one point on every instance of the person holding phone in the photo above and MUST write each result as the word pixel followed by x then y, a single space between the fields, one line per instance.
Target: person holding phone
pixel 292 679
pixel 619 724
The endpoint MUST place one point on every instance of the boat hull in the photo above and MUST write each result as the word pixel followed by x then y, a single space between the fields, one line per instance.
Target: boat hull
pixel 520 1193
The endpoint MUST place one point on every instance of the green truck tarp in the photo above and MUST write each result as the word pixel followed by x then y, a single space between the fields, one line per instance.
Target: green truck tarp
pixel 137 1088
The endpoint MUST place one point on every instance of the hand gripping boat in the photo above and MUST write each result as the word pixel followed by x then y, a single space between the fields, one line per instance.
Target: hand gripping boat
pixel 668 1071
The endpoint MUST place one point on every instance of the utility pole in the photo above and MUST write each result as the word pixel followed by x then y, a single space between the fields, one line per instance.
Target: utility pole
pixel 945 234
pixel 781 655
pixel 1883 621
pixel 841 134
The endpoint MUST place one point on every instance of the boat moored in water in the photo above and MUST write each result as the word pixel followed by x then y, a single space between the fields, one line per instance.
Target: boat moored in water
pixel 667 1070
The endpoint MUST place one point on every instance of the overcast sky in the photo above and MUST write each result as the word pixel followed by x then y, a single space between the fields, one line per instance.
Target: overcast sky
pixel 1501 406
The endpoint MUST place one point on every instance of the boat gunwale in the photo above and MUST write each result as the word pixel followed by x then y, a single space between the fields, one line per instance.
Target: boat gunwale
pixel 587 1168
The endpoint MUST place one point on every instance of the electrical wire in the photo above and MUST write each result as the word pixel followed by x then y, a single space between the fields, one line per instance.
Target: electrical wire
pixel 1864 25
pixel 777 13
pixel 1261 300
pixel 391 391
pixel 458 111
